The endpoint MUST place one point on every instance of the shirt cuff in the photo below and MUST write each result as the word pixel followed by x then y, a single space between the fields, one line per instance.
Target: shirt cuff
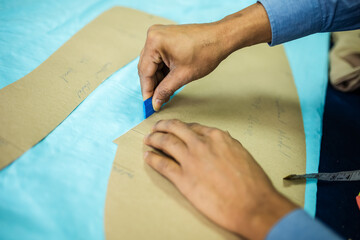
pixel 290 20
pixel 299 225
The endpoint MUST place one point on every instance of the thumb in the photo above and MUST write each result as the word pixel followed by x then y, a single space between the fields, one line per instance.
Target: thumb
pixel 174 80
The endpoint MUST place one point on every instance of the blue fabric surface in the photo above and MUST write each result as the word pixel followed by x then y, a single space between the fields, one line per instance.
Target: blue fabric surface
pixel 57 189
pixel 308 58
pixel 300 226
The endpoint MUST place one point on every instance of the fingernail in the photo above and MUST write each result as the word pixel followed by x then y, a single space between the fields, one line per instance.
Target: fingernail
pixel 158 104
pixel 146 154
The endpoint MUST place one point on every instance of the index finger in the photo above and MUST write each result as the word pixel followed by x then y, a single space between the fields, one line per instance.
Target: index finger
pixel 178 128
pixel 147 67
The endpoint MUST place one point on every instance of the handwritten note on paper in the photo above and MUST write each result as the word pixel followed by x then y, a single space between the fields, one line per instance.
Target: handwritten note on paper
pixel 30 108
pixel 252 95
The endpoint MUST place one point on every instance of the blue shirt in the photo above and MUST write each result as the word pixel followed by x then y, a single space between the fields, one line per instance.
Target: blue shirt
pixel 299 225
pixel 289 20
pixel 292 19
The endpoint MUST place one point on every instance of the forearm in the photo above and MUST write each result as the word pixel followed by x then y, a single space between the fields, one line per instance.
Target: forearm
pixel 247 27
pixel 277 21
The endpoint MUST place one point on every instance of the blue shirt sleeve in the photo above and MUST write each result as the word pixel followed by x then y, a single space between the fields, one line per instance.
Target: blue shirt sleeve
pixel 299 225
pixel 292 19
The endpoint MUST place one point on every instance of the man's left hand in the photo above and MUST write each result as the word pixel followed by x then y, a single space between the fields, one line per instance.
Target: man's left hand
pixel 218 176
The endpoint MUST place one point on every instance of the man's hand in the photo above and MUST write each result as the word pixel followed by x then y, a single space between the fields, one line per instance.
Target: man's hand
pixel 175 55
pixel 218 176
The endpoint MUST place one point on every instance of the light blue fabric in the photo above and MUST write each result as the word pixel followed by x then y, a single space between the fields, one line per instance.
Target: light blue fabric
pixel 308 58
pixel 298 225
pixel 296 18
pixel 57 189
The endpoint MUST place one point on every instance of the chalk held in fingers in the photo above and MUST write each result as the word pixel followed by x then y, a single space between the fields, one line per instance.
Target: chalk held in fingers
pixel 148 108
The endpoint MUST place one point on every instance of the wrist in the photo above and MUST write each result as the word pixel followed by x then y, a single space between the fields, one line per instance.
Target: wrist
pixel 247 27
pixel 265 214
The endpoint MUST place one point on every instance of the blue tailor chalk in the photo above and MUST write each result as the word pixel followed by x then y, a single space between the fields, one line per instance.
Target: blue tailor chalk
pixel 148 108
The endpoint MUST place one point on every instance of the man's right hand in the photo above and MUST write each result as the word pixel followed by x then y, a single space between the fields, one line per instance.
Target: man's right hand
pixel 175 55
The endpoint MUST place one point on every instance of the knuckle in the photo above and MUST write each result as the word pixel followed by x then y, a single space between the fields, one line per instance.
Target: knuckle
pixel 157 124
pixel 173 122
pixel 150 30
pixel 149 159
pixel 143 72
pixel 153 27
pixel 149 138
pixel 164 138
pixel 193 124
pixel 140 71
pixel 216 133
pixel 165 92
pixel 162 165
pixel 174 142
pixel 228 135
pixel 153 35
pixel 201 146
pixel 238 142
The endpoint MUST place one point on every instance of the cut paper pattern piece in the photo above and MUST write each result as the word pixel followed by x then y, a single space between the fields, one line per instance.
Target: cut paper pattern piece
pixel 34 105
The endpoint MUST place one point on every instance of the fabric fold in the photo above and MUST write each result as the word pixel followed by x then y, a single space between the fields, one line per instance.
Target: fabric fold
pixel 345 61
